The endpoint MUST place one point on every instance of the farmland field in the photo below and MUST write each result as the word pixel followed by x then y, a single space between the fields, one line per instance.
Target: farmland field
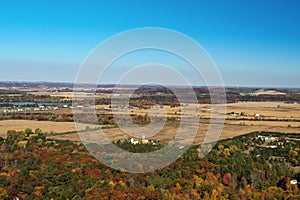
pixel 45 126
pixel 275 117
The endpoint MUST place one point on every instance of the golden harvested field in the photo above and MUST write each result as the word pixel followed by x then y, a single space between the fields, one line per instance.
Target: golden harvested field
pixel 68 95
pixel 269 92
pixel 266 110
pixel 264 123
pixel 167 133
pixel 46 126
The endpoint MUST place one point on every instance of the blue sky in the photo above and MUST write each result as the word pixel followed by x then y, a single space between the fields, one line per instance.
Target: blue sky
pixel 253 43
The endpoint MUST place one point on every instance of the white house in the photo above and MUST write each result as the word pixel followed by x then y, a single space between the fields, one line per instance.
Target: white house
pixel 293 182
pixel 144 140
pixel 266 138
pixel 134 142
pixel 272 147
pixel 236 114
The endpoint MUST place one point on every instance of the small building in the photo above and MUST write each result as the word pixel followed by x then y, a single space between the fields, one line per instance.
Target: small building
pixel 271 147
pixel 144 140
pixel 266 138
pixel 236 114
pixel 293 182
pixel 134 142
pixel 270 139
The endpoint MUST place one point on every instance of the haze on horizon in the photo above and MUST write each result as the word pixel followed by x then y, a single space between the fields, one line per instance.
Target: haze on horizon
pixel 253 43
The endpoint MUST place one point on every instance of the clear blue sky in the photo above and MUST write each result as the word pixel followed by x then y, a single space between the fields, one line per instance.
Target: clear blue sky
pixel 254 43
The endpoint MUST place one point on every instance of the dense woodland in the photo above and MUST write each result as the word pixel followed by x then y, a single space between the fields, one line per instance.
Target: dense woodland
pixel 33 167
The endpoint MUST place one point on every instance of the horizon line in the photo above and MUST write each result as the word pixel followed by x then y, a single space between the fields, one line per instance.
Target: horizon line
pixel 132 84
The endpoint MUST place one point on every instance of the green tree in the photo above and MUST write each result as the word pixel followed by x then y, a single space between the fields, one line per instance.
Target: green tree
pixel 28 131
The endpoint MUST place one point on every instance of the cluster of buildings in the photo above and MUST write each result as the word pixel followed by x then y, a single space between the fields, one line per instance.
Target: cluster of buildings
pixel 234 114
pixel 270 139
pixel 119 108
pixel 25 109
pixel 142 141
pixel 266 138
